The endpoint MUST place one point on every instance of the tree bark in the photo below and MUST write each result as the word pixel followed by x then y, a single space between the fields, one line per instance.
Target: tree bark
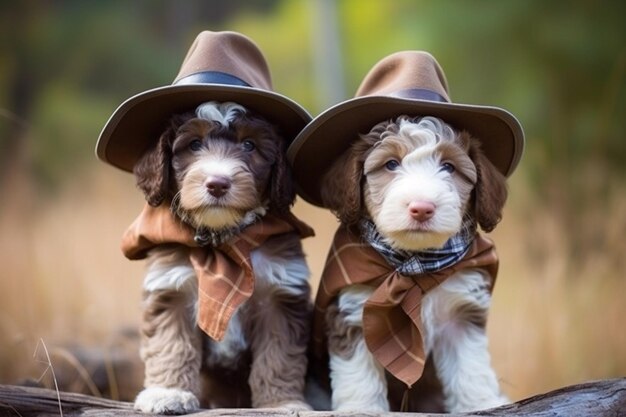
pixel 598 398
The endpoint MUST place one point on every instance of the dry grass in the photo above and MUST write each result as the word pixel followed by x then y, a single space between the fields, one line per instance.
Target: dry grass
pixel 550 325
pixel 64 280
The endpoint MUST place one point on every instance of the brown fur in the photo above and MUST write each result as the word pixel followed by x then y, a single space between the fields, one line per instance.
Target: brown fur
pixel 342 187
pixel 275 320
pixel 342 337
pixel 279 333
pixel 171 345
pixel 490 191
pixel 159 172
pixel 355 187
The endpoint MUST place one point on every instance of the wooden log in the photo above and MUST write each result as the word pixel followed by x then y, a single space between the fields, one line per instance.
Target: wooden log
pixel 597 399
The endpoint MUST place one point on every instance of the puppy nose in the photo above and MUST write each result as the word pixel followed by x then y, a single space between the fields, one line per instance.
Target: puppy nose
pixel 218 186
pixel 421 210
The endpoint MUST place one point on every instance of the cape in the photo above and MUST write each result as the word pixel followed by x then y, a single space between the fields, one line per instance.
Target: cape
pixel 225 274
pixel 392 324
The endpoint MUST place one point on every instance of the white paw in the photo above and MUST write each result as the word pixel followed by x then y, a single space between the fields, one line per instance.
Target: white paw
pixel 496 402
pixel 166 401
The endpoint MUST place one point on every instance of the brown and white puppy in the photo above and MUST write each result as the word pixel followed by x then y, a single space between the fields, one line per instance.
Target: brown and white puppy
pixel 418 181
pixel 222 168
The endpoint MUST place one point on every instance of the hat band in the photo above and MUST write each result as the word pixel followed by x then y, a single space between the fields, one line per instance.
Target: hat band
pixel 212 77
pixel 420 94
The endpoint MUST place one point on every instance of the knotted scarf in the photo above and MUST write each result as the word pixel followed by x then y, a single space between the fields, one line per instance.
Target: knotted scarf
pixel 425 260
pixel 225 274
pixel 392 324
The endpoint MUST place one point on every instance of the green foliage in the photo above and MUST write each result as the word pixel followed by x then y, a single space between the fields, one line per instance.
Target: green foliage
pixel 559 66
pixel 68 122
pixel 284 37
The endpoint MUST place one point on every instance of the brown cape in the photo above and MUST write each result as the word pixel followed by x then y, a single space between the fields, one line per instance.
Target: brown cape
pixel 392 325
pixel 225 275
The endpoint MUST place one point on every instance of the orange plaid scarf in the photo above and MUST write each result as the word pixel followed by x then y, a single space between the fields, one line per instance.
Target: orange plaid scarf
pixel 225 275
pixel 392 324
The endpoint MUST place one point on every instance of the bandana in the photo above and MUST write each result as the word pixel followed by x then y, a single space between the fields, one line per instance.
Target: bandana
pixel 422 261
pixel 392 324
pixel 225 275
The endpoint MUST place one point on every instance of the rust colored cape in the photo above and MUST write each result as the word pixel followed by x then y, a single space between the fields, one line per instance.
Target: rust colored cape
pixel 392 325
pixel 225 275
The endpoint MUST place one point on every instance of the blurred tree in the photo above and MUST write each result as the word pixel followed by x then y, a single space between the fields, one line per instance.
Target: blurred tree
pixel 559 66
pixel 67 64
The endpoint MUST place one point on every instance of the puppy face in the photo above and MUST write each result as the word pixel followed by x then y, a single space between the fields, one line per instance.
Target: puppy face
pixel 416 179
pixel 417 184
pixel 218 167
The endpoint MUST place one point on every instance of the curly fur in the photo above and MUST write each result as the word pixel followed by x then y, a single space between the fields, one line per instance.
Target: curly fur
pixel 262 358
pixel 342 189
pixel 436 165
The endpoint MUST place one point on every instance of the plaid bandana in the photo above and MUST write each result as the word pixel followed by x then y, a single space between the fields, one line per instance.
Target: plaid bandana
pixel 225 275
pixel 392 323
pixel 425 260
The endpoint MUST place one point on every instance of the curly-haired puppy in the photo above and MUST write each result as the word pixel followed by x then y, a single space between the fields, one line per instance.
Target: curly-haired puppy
pixel 222 169
pixel 410 185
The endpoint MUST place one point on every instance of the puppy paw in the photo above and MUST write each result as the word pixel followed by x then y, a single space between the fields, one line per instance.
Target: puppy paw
pixel 496 402
pixel 160 400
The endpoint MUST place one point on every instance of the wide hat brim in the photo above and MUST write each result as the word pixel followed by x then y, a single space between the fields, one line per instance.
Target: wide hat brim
pixel 139 121
pixel 330 134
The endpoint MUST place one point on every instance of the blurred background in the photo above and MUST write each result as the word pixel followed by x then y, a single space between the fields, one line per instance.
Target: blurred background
pixel 70 299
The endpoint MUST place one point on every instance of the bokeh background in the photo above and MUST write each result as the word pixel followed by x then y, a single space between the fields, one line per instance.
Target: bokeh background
pixel 69 299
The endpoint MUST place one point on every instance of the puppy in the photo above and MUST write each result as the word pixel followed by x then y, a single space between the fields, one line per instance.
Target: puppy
pixel 213 176
pixel 409 195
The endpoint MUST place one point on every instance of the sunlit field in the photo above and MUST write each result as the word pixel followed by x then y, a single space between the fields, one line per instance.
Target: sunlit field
pixel 66 288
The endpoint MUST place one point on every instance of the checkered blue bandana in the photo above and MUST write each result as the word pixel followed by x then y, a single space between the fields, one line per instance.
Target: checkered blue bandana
pixel 426 260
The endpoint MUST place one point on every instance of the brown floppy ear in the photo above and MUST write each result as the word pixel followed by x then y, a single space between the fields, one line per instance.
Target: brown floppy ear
pixel 490 191
pixel 152 171
pixel 341 187
pixel 282 191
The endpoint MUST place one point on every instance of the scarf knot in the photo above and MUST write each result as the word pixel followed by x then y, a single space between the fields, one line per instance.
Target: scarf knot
pixel 423 261
pixel 223 266
pixel 392 323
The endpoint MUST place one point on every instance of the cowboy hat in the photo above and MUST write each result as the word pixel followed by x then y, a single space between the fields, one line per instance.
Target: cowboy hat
pixel 408 82
pixel 220 66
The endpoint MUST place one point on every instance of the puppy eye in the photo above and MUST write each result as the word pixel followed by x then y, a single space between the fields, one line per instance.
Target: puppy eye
pixel 195 145
pixel 447 167
pixel 392 165
pixel 248 145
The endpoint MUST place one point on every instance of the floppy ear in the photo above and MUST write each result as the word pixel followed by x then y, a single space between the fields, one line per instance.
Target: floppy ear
pixel 490 191
pixel 152 171
pixel 282 191
pixel 341 187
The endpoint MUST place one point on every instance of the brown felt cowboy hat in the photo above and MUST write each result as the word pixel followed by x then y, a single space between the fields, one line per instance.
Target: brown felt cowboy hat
pixel 409 82
pixel 220 66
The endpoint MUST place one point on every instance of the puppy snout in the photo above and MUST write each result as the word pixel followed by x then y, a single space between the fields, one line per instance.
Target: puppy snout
pixel 421 210
pixel 218 186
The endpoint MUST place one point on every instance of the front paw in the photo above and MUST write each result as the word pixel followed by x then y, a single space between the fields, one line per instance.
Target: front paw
pixel 160 400
pixel 496 402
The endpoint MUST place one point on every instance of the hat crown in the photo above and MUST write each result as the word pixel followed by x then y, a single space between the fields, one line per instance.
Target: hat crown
pixel 404 83
pixel 219 66
pixel 227 53
pixel 404 72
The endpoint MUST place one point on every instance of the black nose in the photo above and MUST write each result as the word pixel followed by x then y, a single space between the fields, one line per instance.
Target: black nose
pixel 218 186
